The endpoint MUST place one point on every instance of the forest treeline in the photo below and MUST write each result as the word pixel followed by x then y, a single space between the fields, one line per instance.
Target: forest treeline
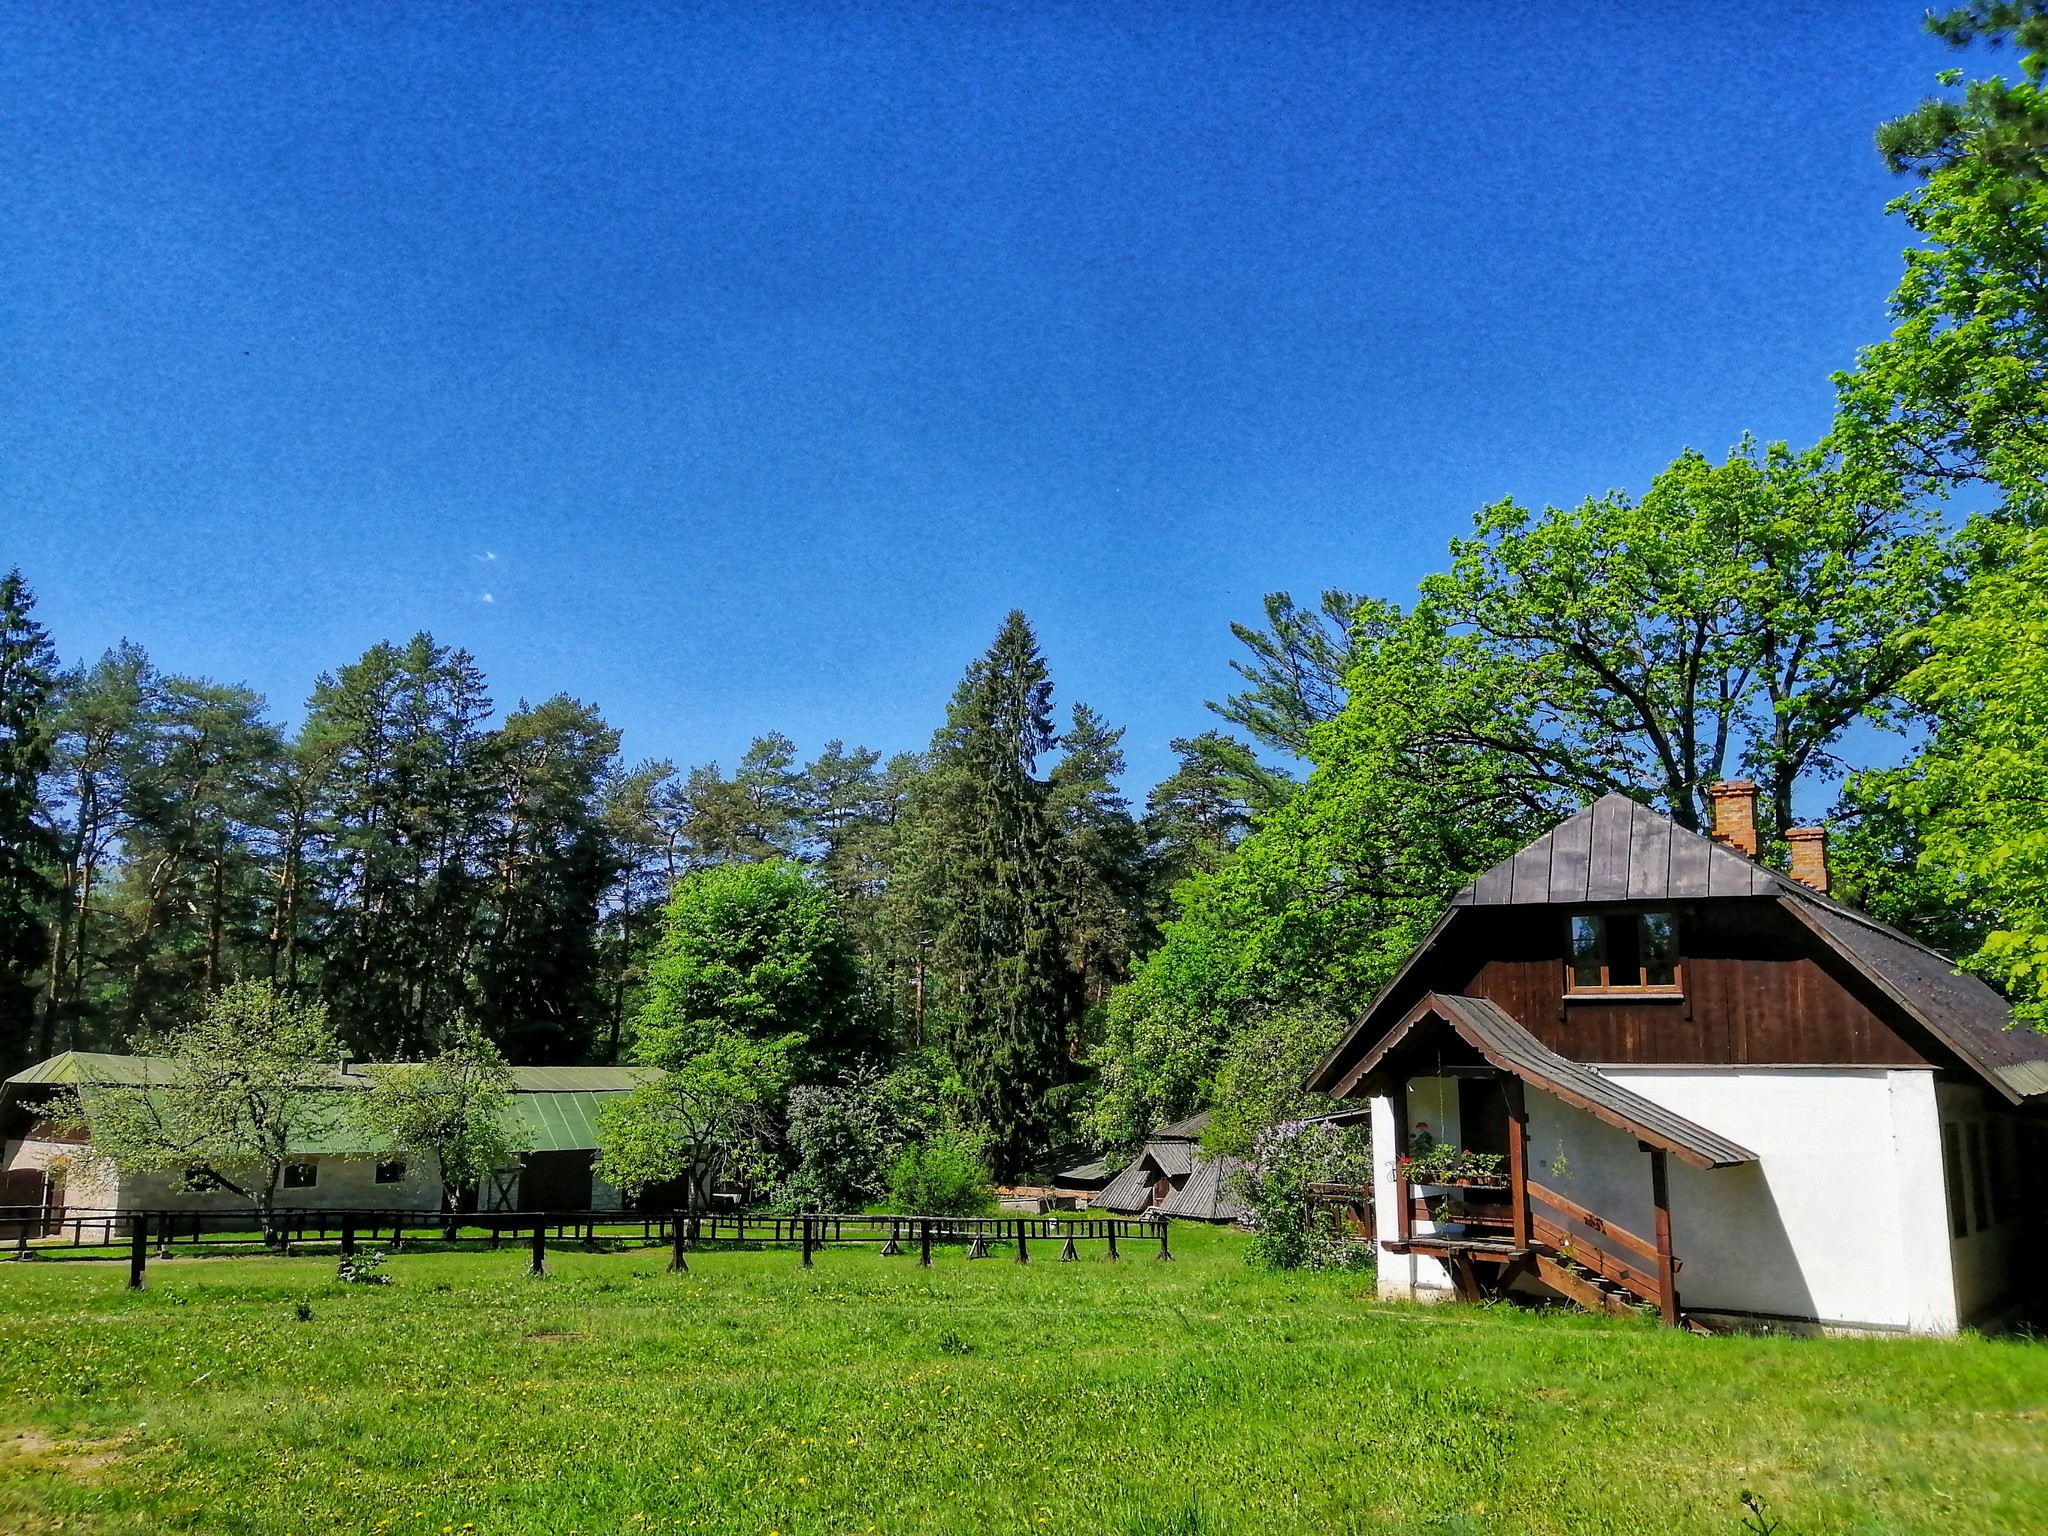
pixel 1860 625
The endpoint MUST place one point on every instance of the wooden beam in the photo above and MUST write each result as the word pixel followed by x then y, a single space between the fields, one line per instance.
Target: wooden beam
pixel 1518 1158
pixel 1404 1218
pixel 1667 1272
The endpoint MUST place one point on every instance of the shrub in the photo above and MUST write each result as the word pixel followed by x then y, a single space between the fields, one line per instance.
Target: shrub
pixel 945 1176
pixel 1288 1232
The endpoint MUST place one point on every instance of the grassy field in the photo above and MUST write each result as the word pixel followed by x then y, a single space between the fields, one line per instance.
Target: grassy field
pixel 869 1395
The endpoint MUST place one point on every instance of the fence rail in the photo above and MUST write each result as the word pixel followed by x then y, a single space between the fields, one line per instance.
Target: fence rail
pixel 40 1232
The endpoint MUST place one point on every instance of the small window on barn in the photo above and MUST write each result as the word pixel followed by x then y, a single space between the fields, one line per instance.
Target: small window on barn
pixel 391 1171
pixel 1978 1197
pixel 1624 952
pixel 1958 1200
pixel 301 1175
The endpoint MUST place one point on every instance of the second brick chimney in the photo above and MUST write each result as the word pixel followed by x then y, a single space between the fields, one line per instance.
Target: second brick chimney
pixel 1735 814
pixel 1809 856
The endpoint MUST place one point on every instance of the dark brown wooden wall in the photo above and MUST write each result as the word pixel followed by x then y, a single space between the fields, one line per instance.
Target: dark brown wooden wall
pixel 1758 990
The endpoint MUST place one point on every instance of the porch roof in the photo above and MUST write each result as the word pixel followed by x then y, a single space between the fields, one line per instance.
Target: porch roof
pixel 1491 1031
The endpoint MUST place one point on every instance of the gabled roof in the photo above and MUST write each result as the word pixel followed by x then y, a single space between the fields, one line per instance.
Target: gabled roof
pixel 1189 1129
pixel 1172 1158
pixel 1206 1196
pixel 1618 849
pixel 1502 1043
pixel 1129 1192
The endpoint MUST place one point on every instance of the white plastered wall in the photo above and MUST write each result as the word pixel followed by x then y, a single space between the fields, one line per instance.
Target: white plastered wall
pixel 1843 1221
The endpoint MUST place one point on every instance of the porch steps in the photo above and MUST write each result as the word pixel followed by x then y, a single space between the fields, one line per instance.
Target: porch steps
pixel 1583 1286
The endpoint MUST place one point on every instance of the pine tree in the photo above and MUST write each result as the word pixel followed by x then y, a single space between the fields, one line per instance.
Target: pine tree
pixel 1013 998
pixel 28 677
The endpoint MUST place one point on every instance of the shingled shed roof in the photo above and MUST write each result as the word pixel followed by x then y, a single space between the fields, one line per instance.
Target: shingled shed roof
pixel 1206 1196
pixel 1619 850
pixel 1492 1032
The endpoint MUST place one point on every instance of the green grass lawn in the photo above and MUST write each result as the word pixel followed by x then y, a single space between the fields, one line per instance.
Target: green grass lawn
pixel 870 1395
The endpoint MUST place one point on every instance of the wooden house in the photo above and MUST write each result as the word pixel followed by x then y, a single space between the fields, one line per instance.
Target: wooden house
pixel 1170 1175
pixel 1708 1087
pixel 553 1120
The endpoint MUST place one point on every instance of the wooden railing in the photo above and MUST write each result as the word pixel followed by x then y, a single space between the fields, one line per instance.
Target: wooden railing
pixel 1611 1252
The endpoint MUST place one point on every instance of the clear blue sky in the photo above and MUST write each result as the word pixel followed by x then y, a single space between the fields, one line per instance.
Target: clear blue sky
pixel 739 367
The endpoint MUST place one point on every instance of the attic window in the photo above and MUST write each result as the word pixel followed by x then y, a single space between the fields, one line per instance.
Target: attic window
pixel 1625 952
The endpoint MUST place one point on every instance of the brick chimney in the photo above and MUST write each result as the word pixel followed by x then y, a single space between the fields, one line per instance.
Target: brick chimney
pixel 1810 856
pixel 1735 814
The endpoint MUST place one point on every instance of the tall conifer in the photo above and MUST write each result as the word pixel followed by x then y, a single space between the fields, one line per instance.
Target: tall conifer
pixel 28 675
pixel 1015 996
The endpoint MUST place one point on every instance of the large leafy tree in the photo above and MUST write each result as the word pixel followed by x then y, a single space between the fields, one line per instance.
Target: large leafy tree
pixel 452 1111
pixel 1958 393
pixel 755 951
pixel 28 678
pixel 1974 802
pixel 240 1092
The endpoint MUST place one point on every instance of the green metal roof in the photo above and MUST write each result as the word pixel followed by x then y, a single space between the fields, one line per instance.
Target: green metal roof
pixel 554 1109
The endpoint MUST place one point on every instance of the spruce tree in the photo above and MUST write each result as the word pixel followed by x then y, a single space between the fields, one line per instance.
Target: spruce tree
pixel 1014 997
pixel 28 677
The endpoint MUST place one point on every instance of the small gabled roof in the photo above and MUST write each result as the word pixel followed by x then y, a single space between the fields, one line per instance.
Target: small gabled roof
pixel 1618 849
pixel 1129 1192
pixel 1492 1032
pixel 1206 1196
pixel 1189 1129
pixel 1172 1158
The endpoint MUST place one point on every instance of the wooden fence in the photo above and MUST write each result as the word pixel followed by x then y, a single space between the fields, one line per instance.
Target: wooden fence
pixel 36 1232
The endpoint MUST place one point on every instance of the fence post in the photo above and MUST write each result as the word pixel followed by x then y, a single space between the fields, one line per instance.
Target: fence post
pixel 540 1249
pixel 1163 1253
pixel 924 1242
pixel 677 1264
pixel 807 1242
pixel 1112 1237
pixel 165 1232
pixel 138 1249
pixel 1023 1253
pixel 348 1233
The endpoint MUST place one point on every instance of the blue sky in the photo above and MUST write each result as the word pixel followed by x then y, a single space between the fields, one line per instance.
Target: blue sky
pixel 739 367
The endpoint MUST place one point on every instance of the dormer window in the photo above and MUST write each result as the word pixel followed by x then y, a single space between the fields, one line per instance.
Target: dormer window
pixel 1625 952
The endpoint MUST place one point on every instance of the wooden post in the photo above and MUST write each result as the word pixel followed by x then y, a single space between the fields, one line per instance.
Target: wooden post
pixel 539 1266
pixel 1667 1272
pixel 1023 1254
pixel 1163 1253
pixel 1518 1159
pixel 807 1242
pixel 680 1236
pixel 348 1233
pixel 138 1249
pixel 1112 1237
pixel 1404 1202
pixel 924 1242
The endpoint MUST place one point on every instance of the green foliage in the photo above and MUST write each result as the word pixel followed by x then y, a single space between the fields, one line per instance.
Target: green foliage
pixel 996 871
pixel 755 950
pixel 1977 795
pixel 705 1116
pixel 1959 391
pixel 1258 1081
pixel 243 1093
pixel 28 667
pixel 849 1136
pixel 1288 1230
pixel 946 1174
pixel 453 1111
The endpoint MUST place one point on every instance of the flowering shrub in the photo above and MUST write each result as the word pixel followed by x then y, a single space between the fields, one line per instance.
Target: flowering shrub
pixel 1288 1231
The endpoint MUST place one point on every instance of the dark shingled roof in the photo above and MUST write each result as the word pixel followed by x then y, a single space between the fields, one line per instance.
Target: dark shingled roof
pixel 1206 1196
pixel 1492 1032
